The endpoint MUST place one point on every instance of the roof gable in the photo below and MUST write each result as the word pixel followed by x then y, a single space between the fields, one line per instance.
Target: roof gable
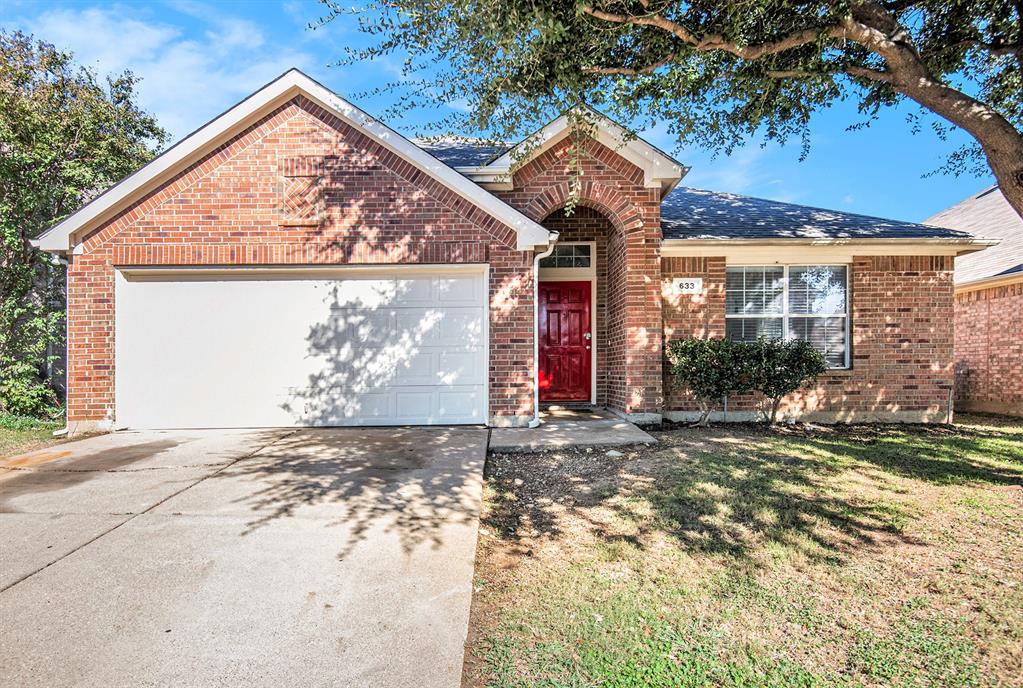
pixel 64 235
pixel 660 171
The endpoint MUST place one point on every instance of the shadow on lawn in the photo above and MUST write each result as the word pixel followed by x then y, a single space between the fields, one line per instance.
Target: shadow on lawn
pixel 940 454
pixel 738 490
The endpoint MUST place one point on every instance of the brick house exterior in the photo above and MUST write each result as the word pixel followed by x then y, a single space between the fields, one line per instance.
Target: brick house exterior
pixel 901 342
pixel 295 179
pixel 988 306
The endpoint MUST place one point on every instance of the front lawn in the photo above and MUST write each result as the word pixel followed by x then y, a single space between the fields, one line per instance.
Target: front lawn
pixel 740 556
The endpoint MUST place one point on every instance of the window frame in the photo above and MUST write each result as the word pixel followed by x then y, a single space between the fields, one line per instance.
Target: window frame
pixel 592 257
pixel 786 314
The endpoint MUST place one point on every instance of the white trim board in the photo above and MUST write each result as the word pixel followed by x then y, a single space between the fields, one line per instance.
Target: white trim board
pixel 780 251
pixel 63 236
pixel 989 282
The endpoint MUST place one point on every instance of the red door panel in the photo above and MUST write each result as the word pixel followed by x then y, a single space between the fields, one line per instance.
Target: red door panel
pixel 565 341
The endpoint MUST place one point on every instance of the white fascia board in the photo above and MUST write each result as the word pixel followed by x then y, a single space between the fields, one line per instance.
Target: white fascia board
pixel 486 175
pixel 798 249
pixel 60 237
pixel 659 171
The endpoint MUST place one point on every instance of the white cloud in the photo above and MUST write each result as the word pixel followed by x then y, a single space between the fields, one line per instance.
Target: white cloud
pixel 752 169
pixel 186 79
pixel 736 173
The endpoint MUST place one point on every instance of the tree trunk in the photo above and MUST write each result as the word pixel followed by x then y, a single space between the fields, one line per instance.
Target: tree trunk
pixel 704 415
pixel 1006 161
pixel 1001 142
pixel 876 29
pixel 775 403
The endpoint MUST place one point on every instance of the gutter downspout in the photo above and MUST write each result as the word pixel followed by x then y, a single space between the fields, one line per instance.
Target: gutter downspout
pixel 63 432
pixel 536 326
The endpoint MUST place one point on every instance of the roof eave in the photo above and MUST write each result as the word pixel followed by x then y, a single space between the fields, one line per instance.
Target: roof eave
pixel 990 281
pixel 963 245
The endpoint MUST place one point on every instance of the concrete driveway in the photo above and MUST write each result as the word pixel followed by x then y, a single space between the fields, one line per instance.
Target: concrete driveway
pixel 317 557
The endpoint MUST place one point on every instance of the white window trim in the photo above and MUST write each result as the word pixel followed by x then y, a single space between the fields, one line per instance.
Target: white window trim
pixel 573 273
pixel 785 314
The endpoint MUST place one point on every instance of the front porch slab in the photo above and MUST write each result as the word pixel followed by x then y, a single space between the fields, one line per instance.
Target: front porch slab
pixel 561 428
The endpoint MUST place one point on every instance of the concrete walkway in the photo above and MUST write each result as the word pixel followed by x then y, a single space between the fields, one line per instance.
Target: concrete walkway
pixel 561 427
pixel 240 558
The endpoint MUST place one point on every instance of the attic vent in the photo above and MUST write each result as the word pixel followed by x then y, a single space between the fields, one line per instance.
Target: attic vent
pixel 301 191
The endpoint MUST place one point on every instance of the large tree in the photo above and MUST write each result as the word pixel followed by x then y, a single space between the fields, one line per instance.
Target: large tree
pixel 718 72
pixel 65 136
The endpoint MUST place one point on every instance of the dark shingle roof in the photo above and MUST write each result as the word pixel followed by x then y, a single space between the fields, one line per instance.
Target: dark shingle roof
pixel 461 152
pixel 990 216
pixel 688 213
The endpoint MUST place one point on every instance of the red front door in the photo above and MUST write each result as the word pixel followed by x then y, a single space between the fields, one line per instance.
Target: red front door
pixel 566 339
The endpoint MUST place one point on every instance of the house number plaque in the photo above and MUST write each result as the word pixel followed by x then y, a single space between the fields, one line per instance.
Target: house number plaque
pixel 687 285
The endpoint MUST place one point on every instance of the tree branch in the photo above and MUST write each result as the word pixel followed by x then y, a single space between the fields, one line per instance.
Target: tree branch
pixel 717 41
pixel 630 71
pixel 873 25
pixel 861 72
pixel 867 73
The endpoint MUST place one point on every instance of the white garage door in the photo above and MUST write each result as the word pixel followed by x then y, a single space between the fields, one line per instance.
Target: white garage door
pixel 283 348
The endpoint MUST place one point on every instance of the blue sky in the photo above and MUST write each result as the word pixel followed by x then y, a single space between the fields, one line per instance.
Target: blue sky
pixel 198 58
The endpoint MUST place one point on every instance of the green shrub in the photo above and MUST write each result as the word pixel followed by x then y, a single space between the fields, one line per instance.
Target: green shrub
pixel 781 367
pixel 711 369
pixel 23 392
pixel 716 368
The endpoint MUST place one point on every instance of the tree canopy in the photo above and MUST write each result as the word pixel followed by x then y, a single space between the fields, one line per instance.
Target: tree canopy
pixel 715 73
pixel 65 136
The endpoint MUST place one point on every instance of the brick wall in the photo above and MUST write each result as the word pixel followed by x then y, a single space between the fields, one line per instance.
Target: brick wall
pixel 901 339
pixel 691 315
pixel 299 187
pixel 614 187
pixel 989 349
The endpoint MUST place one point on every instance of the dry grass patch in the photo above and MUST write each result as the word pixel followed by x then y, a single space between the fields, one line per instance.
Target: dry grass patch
pixel 740 556
pixel 22 435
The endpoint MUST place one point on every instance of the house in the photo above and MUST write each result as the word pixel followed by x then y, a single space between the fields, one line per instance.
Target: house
pixel 988 306
pixel 297 262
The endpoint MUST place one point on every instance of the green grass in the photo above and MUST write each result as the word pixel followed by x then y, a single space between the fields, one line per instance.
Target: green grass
pixel 873 556
pixel 19 435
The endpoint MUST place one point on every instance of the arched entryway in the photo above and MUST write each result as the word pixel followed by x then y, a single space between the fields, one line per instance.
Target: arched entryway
pixel 611 342
pixel 627 319
pixel 573 343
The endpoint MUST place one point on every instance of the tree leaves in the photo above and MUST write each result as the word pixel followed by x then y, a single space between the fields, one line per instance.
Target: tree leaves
pixel 64 138
pixel 519 63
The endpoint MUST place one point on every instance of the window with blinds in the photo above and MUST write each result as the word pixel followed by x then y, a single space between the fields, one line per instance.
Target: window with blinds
pixel 807 302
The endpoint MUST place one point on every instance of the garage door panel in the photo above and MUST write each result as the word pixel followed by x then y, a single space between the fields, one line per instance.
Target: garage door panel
pixel 458 367
pixel 456 403
pixel 458 291
pixel 276 352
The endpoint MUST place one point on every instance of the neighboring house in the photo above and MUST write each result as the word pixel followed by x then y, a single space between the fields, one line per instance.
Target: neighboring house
pixel 296 262
pixel 988 306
